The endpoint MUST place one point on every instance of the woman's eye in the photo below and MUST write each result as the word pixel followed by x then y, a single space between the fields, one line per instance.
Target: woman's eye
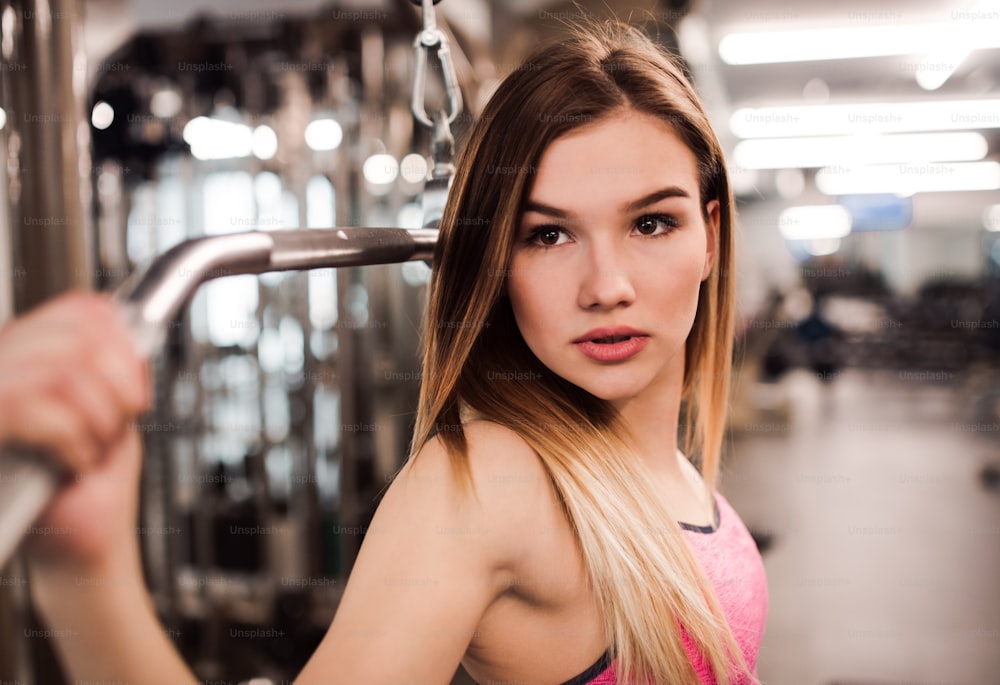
pixel 655 224
pixel 547 236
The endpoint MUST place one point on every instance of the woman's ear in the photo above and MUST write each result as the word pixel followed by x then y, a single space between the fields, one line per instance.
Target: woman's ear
pixel 711 236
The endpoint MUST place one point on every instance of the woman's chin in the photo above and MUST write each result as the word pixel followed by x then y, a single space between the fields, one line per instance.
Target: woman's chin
pixel 615 393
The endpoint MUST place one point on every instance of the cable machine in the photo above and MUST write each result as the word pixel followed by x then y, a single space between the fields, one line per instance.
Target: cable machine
pixel 153 303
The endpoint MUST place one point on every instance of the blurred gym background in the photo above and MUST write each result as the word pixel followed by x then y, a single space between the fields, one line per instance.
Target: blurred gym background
pixel 864 448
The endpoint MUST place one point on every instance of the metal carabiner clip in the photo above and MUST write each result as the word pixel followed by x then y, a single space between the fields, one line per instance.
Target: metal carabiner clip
pixel 426 40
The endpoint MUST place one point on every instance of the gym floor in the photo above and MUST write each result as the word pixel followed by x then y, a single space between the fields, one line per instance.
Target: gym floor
pixel 876 499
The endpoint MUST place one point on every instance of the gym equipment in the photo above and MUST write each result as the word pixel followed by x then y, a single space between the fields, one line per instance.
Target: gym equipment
pixel 150 302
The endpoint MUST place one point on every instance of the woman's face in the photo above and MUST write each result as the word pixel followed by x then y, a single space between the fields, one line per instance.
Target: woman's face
pixel 610 253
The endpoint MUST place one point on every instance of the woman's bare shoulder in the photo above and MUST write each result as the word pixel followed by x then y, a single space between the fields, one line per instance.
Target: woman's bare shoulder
pixel 508 478
pixel 433 560
pixel 490 447
pixel 508 470
pixel 510 492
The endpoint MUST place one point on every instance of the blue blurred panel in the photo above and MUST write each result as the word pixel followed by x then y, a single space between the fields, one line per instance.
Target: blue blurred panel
pixel 878 212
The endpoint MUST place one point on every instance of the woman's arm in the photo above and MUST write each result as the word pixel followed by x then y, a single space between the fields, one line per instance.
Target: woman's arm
pixel 72 384
pixel 104 626
pixel 432 561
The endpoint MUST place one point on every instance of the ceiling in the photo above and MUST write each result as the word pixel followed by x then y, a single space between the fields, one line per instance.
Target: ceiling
pixel 507 28
pixel 855 80
pixel 849 79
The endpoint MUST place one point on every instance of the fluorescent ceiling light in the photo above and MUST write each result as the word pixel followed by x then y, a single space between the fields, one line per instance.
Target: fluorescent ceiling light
pixel 939 66
pixel 823 247
pixel 102 115
pixel 906 179
pixel 324 134
pixel 380 169
pixel 979 30
pixel 212 138
pixel 413 168
pixel 165 103
pixel 791 153
pixel 264 142
pixel 968 30
pixel 873 117
pixel 814 222
pixel 991 218
pixel 807 45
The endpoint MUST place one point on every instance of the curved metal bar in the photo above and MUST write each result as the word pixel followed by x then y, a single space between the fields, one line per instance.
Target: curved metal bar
pixel 151 301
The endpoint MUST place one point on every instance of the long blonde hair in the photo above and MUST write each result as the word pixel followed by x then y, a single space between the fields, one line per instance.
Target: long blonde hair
pixel 644 576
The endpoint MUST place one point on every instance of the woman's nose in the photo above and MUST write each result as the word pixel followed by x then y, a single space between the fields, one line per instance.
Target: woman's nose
pixel 607 280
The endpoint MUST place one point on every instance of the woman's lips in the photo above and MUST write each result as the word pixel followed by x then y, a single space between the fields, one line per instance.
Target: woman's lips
pixel 612 348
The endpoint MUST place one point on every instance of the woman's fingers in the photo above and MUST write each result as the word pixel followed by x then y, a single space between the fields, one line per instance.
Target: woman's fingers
pixel 52 425
pixel 72 386
pixel 134 383
pixel 70 380
pixel 125 378
pixel 104 414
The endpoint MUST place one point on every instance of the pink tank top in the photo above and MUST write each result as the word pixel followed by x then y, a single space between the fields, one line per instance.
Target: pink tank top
pixel 730 558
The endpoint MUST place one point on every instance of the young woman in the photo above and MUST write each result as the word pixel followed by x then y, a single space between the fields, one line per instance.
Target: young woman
pixel 546 529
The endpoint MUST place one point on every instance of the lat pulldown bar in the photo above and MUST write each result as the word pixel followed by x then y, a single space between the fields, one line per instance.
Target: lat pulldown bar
pixel 150 302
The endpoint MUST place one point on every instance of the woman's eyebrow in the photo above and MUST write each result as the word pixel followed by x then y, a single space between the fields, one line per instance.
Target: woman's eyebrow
pixel 634 205
pixel 656 196
pixel 540 208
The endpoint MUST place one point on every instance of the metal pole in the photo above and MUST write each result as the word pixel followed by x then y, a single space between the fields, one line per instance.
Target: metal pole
pixel 47 155
pixel 48 148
